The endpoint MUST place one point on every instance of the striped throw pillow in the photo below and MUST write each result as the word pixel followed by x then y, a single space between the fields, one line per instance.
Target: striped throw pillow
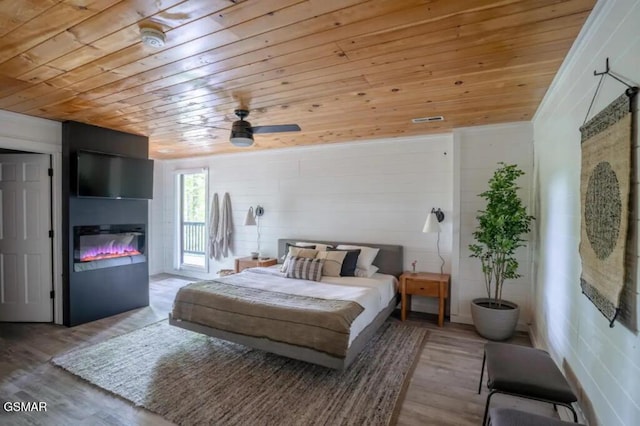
pixel 304 268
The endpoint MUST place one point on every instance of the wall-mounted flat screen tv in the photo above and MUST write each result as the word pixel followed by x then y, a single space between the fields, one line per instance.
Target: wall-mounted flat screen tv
pixel 112 176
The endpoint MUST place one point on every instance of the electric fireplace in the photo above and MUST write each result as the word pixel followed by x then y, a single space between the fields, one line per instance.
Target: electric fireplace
pixel 106 246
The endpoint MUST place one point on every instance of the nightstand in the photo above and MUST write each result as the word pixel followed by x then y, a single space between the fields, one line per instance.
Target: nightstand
pixel 248 262
pixel 424 284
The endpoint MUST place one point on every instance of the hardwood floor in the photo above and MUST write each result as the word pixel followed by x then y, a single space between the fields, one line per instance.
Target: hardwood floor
pixel 442 390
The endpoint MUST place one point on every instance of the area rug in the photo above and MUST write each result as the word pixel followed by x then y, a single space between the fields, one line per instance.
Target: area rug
pixel 189 378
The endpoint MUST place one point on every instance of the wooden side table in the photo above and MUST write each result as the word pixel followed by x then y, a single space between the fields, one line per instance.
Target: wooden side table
pixel 248 262
pixel 424 284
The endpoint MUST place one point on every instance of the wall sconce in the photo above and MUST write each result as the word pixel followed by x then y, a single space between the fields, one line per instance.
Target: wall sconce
pixel 250 220
pixel 431 225
pixel 433 221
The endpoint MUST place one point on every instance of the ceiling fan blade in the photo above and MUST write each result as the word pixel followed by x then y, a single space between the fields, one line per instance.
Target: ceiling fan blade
pixel 202 126
pixel 278 128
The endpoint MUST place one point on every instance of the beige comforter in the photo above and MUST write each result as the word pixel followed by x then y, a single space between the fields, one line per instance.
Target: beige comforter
pixel 305 321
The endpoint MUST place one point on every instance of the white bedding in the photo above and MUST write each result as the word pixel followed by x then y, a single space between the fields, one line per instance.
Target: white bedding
pixel 373 294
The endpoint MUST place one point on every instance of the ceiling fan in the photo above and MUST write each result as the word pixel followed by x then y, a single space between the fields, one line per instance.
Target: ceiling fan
pixel 242 131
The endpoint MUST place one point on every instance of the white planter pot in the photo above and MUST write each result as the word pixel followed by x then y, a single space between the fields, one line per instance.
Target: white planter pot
pixel 494 323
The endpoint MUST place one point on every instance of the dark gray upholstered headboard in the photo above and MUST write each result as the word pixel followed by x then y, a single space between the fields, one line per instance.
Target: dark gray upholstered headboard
pixel 390 258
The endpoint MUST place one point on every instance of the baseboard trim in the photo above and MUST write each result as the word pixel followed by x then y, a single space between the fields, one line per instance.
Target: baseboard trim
pixel 466 319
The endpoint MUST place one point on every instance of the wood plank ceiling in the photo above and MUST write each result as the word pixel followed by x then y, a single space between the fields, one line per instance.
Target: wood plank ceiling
pixel 341 69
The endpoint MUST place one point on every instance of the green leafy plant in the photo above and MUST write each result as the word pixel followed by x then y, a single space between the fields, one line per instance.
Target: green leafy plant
pixel 500 229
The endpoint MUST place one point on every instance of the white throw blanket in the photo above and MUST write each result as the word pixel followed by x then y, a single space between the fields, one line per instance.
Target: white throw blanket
pixel 225 228
pixel 214 219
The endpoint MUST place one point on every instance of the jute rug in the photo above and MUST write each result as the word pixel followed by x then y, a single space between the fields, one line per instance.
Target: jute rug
pixel 189 378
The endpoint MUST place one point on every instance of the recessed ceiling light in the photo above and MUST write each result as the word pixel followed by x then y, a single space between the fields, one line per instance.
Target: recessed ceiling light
pixel 427 119
pixel 152 37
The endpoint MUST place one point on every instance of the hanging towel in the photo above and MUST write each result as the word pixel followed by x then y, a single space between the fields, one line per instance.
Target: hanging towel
pixel 226 227
pixel 214 218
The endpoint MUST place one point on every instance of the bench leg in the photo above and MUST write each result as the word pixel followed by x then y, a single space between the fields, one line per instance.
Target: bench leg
pixel 484 360
pixel 486 408
pixel 570 407
pixel 575 415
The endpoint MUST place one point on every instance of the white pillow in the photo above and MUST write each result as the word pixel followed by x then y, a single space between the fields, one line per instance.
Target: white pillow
pixel 366 273
pixel 319 247
pixel 366 257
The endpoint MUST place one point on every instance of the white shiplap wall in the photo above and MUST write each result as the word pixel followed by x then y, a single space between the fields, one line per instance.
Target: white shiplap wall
pixel 477 153
pixel 32 134
pixel 376 191
pixel 606 361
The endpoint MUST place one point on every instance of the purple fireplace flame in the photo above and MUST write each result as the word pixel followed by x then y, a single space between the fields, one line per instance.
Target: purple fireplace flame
pixel 108 246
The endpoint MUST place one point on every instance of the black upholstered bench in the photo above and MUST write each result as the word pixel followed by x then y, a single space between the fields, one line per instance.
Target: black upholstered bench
pixel 511 417
pixel 524 372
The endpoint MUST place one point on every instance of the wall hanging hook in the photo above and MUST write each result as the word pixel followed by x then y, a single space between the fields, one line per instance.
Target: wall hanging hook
pixel 607 71
pixel 630 92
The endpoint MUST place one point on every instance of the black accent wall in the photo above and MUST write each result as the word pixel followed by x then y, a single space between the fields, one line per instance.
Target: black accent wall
pixel 94 294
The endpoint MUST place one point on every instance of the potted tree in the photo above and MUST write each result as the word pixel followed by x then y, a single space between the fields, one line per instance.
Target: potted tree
pixel 498 235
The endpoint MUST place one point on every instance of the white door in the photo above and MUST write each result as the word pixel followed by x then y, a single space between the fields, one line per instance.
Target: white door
pixel 25 245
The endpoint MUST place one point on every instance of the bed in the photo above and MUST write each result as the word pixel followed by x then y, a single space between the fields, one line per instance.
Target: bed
pixel 325 323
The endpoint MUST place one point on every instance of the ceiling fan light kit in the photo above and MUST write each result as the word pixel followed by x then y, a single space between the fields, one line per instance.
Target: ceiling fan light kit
pixel 241 131
pixel 241 134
